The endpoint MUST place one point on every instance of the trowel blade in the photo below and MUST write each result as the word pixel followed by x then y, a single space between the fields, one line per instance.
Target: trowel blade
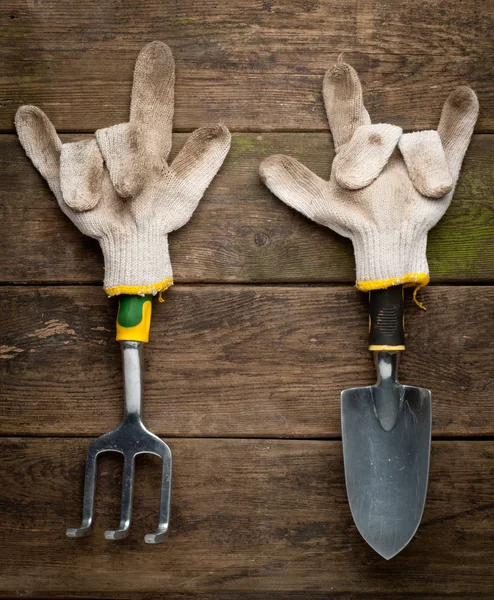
pixel 386 472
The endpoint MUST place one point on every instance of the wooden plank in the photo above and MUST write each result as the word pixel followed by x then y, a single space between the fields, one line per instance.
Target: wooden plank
pixel 272 595
pixel 240 232
pixel 236 361
pixel 265 516
pixel 252 596
pixel 255 65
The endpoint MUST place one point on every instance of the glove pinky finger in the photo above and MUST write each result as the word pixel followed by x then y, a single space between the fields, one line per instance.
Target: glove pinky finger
pixel 41 143
pixel 456 126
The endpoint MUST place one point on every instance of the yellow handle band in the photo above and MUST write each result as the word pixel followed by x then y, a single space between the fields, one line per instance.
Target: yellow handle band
pixel 134 318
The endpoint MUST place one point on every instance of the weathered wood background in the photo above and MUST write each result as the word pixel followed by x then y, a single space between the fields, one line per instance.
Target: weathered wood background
pixel 263 328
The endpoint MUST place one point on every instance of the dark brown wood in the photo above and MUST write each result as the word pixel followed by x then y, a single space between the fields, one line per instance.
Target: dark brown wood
pixel 236 361
pixel 274 595
pixel 254 516
pixel 255 65
pixel 240 232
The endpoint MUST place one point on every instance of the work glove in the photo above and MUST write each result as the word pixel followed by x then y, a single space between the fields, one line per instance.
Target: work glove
pixel 387 189
pixel 118 188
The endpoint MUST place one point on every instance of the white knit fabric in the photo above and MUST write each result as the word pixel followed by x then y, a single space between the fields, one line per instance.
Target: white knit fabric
pixel 387 189
pixel 118 187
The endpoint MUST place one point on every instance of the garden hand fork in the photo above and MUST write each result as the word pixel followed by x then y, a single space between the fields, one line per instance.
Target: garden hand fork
pixel 131 437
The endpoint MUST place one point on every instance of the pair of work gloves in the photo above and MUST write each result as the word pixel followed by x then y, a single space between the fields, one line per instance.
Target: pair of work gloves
pixel 386 191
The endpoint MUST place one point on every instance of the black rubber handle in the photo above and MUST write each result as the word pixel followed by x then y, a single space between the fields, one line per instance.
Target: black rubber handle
pixel 386 327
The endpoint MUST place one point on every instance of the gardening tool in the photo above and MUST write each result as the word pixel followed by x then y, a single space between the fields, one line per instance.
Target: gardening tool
pixel 131 437
pixel 386 431
pixel 118 188
pixel 386 191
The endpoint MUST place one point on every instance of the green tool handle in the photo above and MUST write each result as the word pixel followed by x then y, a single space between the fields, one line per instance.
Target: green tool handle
pixel 134 318
pixel 386 322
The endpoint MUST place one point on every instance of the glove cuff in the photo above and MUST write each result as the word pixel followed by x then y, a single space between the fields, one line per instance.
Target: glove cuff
pixel 136 262
pixel 392 258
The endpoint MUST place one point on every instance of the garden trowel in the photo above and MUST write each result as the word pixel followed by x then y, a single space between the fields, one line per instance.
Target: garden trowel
pixel 386 430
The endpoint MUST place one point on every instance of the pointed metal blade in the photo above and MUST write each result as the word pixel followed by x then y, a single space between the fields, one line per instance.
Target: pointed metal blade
pixel 386 472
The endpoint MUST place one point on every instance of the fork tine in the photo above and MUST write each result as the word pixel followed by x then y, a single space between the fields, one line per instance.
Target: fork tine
pixel 127 492
pixel 166 483
pixel 130 438
pixel 88 504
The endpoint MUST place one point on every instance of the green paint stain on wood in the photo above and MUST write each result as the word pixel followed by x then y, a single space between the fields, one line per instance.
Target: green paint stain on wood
pixel 462 245
pixel 242 144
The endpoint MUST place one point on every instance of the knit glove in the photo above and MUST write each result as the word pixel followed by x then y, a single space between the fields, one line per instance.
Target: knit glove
pixel 387 189
pixel 118 187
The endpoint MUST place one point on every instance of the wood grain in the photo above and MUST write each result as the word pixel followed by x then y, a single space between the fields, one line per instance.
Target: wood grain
pixel 265 516
pixel 243 595
pixel 255 65
pixel 236 361
pixel 240 232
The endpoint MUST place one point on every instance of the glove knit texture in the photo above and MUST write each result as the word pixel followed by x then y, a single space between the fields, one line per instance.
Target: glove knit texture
pixel 387 189
pixel 118 187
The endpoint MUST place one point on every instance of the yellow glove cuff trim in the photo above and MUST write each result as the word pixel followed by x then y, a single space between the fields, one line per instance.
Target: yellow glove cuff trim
pixel 140 290
pixel 410 279
pixel 420 279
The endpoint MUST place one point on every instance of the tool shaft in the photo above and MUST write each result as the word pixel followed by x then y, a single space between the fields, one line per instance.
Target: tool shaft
pixel 132 373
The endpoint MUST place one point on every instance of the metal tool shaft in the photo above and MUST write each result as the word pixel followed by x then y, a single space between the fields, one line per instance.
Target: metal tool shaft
pixel 387 396
pixel 132 376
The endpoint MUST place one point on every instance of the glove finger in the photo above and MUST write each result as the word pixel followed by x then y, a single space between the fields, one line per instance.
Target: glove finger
pixel 152 100
pixel 344 103
pixel 196 165
pixel 41 143
pixel 365 155
pixel 122 148
pixel 296 185
pixel 81 174
pixel 426 163
pixel 458 118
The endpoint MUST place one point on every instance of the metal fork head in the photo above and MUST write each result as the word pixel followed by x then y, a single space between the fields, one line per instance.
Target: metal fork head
pixel 130 438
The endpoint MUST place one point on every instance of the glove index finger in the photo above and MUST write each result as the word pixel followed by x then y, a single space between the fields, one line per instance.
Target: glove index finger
pixel 152 101
pixel 344 103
